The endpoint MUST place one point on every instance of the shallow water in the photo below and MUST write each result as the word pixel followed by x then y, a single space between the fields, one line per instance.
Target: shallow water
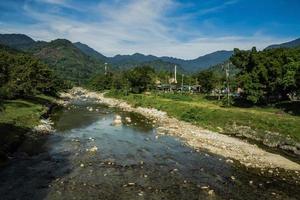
pixel 131 162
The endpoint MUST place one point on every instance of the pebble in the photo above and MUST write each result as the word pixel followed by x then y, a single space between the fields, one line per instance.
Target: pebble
pixel 140 193
pixel 117 120
pixel 229 161
pixel 93 149
pixel 211 192
pixel 128 119
pixel 175 170
pixel 81 165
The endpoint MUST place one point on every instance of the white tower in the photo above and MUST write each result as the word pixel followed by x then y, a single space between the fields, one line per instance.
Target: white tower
pixel 175 74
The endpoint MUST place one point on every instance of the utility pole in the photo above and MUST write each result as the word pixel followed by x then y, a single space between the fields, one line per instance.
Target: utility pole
pixel 227 81
pixel 105 68
pixel 182 75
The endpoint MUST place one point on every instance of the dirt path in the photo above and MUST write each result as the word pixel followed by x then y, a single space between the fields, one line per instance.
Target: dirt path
pixel 247 154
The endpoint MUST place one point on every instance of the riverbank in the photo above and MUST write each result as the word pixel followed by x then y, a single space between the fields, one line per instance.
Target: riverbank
pixel 232 149
pixel 267 126
pixel 23 120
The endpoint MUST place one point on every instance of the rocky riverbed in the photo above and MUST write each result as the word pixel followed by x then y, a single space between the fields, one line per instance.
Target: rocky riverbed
pixel 234 149
pixel 104 152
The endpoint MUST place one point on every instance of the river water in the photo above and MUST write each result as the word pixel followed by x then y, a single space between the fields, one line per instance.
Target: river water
pixel 129 161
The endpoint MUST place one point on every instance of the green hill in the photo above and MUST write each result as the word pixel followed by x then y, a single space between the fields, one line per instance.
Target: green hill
pixel 90 51
pixel 16 41
pixel 67 60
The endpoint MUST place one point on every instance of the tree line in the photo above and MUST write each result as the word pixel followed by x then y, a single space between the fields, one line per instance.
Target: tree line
pixel 268 76
pixel 263 77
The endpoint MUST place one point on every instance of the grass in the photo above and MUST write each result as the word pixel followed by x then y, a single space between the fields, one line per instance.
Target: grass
pixel 24 112
pixel 212 115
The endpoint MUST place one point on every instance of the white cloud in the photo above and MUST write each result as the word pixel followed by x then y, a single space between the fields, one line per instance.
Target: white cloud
pixel 60 2
pixel 134 26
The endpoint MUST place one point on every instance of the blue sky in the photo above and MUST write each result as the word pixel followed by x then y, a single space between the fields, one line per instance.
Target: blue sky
pixel 179 28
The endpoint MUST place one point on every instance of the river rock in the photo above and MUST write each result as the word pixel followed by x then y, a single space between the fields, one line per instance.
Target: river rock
pixel 45 126
pixel 117 120
pixel 128 119
pixel 211 192
pixel 93 149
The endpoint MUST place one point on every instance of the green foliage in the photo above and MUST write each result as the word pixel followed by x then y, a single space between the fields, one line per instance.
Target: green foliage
pixel 101 82
pixel 69 62
pixel 267 76
pixel 21 76
pixel 208 80
pixel 140 78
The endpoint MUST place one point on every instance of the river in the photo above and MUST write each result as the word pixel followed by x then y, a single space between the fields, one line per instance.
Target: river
pixel 89 158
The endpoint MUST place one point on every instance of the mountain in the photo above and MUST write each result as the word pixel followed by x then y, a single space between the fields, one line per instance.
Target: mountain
pixel 67 60
pixel 77 60
pixel 16 41
pixel 90 51
pixel 129 61
pixel 202 62
pixel 291 44
pixel 134 58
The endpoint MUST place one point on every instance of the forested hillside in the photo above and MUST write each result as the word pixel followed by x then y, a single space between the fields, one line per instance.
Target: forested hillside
pixel 17 41
pixel 67 60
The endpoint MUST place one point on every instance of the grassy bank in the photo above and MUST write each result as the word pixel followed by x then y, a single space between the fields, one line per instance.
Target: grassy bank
pixel 213 116
pixel 17 118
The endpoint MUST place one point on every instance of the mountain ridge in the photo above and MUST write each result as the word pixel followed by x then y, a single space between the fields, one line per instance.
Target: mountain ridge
pixel 90 57
pixel 24 42
pixel 289 44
